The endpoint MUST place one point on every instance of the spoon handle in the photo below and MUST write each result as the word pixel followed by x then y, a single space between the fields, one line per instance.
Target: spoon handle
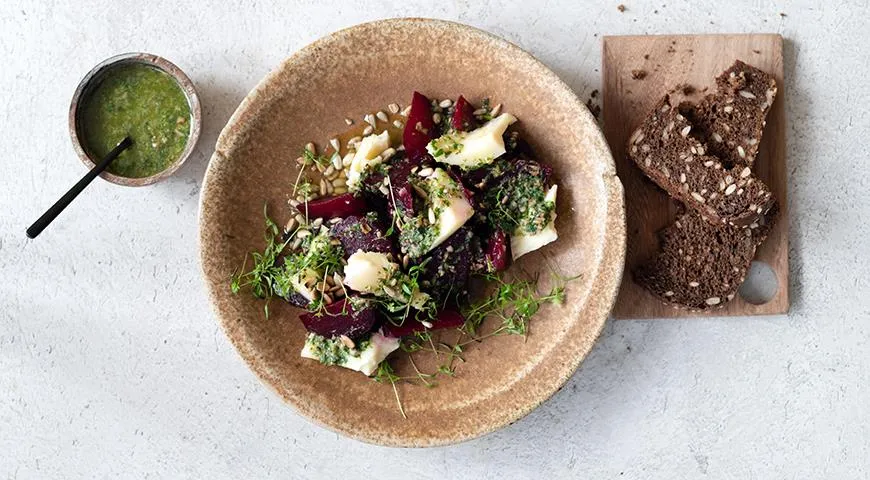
pixel 64 201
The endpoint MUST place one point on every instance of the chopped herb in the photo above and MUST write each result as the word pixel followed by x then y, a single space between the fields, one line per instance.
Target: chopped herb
pixel 519 203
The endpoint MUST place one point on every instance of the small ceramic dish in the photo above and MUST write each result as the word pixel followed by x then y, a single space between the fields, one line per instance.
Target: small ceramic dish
pixel 93 79
pixel 361 70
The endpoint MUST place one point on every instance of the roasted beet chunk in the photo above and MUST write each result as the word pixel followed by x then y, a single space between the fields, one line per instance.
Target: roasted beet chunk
pixel 340 318
pixel 447 266
pixel 463 116
pixel 362 233
pixel 496 252
pixel 516 198
pixel 399 170
pixel 419 129
pixel 332 207
pixel 445 319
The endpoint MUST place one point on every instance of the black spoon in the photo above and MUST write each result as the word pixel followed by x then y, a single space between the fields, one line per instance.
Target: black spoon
pixel 64 201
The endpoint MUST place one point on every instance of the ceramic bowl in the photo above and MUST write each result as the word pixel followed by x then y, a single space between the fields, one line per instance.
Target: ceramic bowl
pixel 93 78
pixel 361 70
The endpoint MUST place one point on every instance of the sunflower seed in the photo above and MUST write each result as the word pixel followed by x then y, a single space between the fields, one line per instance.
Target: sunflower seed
pixel 636 137
pixel 406 111
pixel 728 109
pixel 300 219
pixel 479 112
pixel 382 116
pixel 406 260
pixel 739 191
pixel 436 117
pixel 317 223
pixel 339 182
pixel 697 196
pixel 669 293
pixel 431 217
pixel 647 161
pixel 398 124
pixel 393 108
pixel 339 190
pixel 709 163
pixel 714 300
pixel 370 119
pixel 336 161
pixel 694 284
pixel 717 137
pixel 685 131
pixel 290 225
pixel 446 103
pixel 348 121
pixel 731 188
pixel 333 142
pixel 388 153
pixel 296 243
pixel 368 130
pixel 496 110
pixel 346 161
pixel 682 178
pixel 390 291
pixel 323 186
pixel 311 148
pixel 384 190
pixel 425 172
pixel 302 233
pixel 745 172
pixel 746 94
pixel 741 152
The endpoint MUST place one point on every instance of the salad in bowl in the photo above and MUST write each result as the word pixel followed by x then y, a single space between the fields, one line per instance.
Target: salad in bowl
pixel 406 229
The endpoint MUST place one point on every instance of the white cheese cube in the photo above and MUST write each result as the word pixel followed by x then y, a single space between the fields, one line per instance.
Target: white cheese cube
pixel 452 206
pixel 366 271
pixel 475 148
pixel 366 360
pixel 523 242
pixel 366 156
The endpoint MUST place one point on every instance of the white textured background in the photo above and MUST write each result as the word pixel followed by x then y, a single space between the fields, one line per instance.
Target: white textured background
pixel 112 364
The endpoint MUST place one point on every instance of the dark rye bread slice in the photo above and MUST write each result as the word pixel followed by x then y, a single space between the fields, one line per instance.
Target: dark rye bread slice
pixel 730 121
pixel 666 152
pixel 700 266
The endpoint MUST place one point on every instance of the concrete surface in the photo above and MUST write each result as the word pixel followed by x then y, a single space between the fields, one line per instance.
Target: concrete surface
pixel 112 365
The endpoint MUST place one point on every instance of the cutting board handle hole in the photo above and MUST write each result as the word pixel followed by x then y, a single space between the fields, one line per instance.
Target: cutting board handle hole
pixel 760 285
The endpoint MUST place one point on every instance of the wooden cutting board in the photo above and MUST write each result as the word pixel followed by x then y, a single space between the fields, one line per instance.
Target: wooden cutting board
pixel 638 71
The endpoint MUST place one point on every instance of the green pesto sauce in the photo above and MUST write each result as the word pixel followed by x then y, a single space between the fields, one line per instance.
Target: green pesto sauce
pixel 144 103
pixel 519 204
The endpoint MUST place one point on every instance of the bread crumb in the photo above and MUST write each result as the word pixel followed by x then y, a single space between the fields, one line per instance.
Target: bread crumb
pixel 594 109
pixel 620 7
pixel 638 74
pixel 646 56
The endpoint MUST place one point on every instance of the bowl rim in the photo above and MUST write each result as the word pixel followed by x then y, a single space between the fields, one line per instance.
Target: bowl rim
pixel 161 64
pixel 609 264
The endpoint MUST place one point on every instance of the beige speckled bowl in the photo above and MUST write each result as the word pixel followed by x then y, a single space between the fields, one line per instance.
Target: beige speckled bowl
pixel 356 71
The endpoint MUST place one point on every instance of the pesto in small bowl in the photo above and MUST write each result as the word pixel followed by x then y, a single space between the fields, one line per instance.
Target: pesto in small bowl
pixel 146 98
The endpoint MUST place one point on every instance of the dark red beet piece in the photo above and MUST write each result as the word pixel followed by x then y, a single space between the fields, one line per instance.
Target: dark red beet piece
pixel 419 129
pixel 463 116
pixel 340 206
pixel 361 233
pixel 445 319
pixel 449 266
pixel 340 318
pixel 497 256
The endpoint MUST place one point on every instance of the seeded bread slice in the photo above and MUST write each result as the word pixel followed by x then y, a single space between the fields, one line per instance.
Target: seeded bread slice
pixel 730 121
pixel 666 152
pixel 700 266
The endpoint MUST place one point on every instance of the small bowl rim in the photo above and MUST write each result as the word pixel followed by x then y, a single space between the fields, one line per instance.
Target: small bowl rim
pixel 161 64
